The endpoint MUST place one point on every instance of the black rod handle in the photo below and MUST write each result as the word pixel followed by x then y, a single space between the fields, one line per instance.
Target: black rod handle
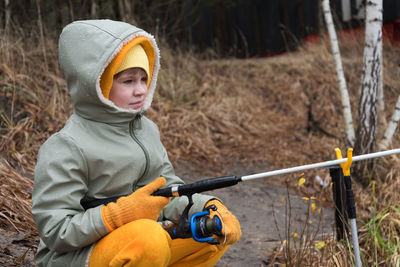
pixel 198 187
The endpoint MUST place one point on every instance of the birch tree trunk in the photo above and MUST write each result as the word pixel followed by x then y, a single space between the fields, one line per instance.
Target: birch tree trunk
pixel 382 123
pixel 367 110
pixel 360 8
pixel 381 100
pixel 391 128
pixel 348 120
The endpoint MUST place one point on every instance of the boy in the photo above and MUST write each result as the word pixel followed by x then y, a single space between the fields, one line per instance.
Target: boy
pixel 108 148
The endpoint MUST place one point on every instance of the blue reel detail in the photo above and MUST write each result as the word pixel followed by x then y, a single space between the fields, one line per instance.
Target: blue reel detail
pixel 193 224
pixel 199 226
pixel 202 227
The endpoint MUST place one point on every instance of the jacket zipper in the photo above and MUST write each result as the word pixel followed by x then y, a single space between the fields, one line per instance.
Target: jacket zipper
pixel 134 137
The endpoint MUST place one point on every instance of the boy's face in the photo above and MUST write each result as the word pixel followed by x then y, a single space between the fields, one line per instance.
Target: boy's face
pixel 129 88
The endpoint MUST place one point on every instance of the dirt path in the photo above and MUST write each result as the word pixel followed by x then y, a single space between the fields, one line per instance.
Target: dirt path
pixel 256 203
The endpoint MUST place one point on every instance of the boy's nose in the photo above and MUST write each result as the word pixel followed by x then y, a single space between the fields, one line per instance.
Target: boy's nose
pixel 140 90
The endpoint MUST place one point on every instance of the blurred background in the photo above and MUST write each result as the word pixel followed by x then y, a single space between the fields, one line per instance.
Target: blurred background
pixel 239 28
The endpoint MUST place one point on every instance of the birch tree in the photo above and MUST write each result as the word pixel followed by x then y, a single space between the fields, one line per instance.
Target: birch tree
pixel 346 108
pixel 391 128
pixel 371 109
pixel 368 107
pixel 373 71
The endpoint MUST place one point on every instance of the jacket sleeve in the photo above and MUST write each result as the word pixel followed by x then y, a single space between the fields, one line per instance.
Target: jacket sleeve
pixel 175 208
pixel 60 184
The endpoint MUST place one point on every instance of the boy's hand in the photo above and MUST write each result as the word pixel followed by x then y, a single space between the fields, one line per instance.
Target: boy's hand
pixel 138 205
pixel 230 225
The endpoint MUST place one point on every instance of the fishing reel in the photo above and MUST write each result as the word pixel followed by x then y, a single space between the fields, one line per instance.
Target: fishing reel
pixel 199 226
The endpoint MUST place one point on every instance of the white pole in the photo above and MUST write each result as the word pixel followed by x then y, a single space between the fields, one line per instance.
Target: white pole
pixel 353 224
pixel 320 164
pixel 356 247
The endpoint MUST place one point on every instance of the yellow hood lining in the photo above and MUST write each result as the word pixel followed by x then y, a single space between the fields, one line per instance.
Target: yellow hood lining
pixel 106 79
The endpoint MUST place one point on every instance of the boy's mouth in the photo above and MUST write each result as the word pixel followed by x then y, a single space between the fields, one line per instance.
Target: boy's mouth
pixel 136 105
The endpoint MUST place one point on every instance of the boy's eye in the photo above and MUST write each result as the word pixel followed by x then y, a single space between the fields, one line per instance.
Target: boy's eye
pixel 144 79
pixel 127 81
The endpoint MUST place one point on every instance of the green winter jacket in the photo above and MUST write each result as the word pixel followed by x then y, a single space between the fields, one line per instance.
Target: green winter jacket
pixel 103 151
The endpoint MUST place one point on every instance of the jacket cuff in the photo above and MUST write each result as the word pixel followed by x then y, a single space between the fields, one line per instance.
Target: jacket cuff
pixel 101 226
pixel 200 202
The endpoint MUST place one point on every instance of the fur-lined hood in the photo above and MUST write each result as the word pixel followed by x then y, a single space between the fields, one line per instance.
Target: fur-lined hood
pixel 85 50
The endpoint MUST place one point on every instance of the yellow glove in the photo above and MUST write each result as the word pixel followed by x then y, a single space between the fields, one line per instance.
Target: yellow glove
pixel 138 205
pixel 345 165
pixel 230 225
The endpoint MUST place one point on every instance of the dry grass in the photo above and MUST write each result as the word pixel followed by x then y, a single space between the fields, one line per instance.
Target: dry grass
pixel 34 104
pixel 284 110
pixel 15 192
pixel 378 220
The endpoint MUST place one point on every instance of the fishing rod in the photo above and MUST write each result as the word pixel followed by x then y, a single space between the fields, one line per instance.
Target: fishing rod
pixel 226 181
pixel 201 227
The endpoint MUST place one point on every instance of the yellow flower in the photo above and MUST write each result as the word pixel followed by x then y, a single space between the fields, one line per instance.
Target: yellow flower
pixel 282 199
pixel 305 198
pixel 313 207
pixel 295 235
pixel 320 245
pixel 301 181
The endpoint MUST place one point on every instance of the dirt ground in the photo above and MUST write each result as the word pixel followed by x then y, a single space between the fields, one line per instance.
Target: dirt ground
pixel 257 204
pixel 261 213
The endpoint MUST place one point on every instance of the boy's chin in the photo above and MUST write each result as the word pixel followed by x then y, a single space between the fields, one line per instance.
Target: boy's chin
pixel 134 107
